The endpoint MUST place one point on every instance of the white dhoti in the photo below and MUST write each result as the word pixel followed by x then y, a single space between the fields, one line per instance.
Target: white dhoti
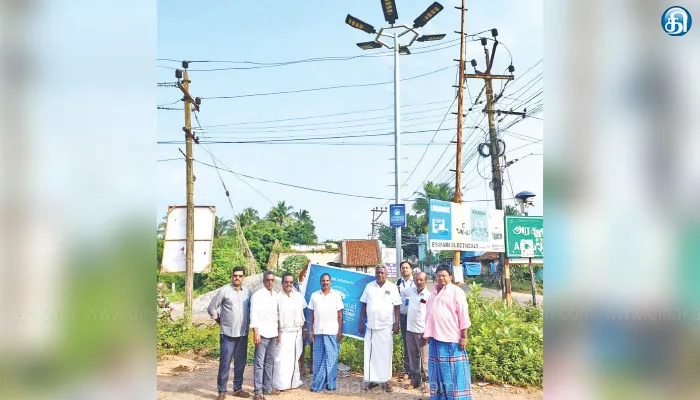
pixel 379 350
pixel 286 372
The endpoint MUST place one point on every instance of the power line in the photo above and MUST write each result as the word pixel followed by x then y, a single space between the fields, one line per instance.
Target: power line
pixel 324 88
pixel 294 139
pixel 330 115
pixel 431 140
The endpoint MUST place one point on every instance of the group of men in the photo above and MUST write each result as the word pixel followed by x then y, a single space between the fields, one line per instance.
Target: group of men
pixel 433 326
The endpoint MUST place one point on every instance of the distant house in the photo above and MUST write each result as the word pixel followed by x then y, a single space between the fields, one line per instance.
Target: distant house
pixel 360 255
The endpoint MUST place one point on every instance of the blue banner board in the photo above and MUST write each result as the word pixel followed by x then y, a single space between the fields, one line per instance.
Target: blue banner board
pixel 350 284
pixel 397 215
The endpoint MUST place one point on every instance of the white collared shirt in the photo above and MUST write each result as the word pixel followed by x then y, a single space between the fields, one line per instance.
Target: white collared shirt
pixel 380 304
pixel 291 311
pixel 263 312
pixel 416 310
pixel 325 308
pixel 404 288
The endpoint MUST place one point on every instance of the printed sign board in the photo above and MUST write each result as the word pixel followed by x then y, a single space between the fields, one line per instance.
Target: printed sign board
pixel 455 226
pixel 524 237
pixel 397 215
pixel 350 284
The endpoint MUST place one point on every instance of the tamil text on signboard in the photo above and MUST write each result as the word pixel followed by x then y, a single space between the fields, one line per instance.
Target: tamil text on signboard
pixel 524 237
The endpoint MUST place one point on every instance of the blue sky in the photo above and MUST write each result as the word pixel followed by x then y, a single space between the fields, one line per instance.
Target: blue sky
pixel 272 31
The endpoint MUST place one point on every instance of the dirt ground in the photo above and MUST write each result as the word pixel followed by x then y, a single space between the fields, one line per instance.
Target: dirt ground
pixel 181 378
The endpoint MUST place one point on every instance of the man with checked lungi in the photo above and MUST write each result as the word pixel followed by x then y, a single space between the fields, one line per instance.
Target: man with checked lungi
pixel 326 323
pixel 447 321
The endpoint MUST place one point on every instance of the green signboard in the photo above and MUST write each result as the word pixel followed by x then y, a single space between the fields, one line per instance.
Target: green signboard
pixel 524 237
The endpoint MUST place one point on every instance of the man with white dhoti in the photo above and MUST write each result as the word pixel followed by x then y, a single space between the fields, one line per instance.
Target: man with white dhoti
pixel 380 304
pixel 291 335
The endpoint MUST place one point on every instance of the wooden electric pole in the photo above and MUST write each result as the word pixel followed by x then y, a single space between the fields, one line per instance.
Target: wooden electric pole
pixel 189 138
pixel 456 259
pixel 495 149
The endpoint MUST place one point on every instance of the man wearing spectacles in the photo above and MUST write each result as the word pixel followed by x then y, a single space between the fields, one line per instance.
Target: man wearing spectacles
pixel 264 321
pixel 230 308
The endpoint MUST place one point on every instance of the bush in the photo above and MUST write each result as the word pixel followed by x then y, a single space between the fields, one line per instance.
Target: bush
pixel 505 344
pixel 175 338
pixel 293 264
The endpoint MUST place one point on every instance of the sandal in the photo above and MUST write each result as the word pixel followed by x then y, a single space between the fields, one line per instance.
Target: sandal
pixel 242 394
pixel 388 388
pixel 273 392
pixel 403 378
pixel 424 389
pixel 409 386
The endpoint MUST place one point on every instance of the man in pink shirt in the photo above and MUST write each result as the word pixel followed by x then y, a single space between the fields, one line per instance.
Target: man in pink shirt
pixel 446 327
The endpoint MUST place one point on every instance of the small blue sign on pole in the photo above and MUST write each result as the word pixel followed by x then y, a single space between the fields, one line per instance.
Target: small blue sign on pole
pixel 397 215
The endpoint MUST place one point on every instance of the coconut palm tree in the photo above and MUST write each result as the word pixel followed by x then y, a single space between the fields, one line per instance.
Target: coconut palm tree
pixel 222 227
pixel 302 216
pixel 280 213
pixel 440 191
pixel 247 217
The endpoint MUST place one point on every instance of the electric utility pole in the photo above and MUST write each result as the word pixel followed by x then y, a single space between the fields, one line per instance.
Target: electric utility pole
pixel 375 218
pixel 456 260
pixel 493 145
pixel 189 138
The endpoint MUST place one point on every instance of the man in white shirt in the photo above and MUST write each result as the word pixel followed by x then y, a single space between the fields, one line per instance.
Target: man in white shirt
pixel 416 345
pixel 326 322
pixel 290 340
pixel 380 304
pixel 404 284
pixel 264 323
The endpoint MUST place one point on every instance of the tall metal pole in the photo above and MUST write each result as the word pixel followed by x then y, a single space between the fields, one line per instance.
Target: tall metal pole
pixel 397 149
pixel 189 247
pixel 456 260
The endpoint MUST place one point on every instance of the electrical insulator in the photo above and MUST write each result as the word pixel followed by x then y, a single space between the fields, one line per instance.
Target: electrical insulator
pixel 494 32
pixel 197 100
pixel 511 68
pixel 178 73
pixel 483 41
pixel 185 64
pixel 473 63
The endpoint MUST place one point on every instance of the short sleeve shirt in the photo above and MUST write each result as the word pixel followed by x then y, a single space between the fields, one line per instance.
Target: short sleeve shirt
pixel 325 308
pixel 380 304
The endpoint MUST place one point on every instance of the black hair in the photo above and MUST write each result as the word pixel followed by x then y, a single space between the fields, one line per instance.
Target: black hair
pixel 238 269
pixel 406 262
pixel 286 274
pixel 326 274
pixel 443 267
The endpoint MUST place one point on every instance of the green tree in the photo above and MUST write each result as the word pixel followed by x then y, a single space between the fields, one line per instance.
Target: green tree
pixel 293 264
pixel 261 237
pixel 409 235
pixel 227 252
pixel 222 227
pixel 248 217
pixel 280 213
pixel 303 216
pixel 301 233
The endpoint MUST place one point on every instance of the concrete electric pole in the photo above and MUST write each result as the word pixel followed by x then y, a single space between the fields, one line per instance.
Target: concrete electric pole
pixel 189 138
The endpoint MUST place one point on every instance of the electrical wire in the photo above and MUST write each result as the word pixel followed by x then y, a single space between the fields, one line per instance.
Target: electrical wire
pixel 330 115
pixel 324 88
